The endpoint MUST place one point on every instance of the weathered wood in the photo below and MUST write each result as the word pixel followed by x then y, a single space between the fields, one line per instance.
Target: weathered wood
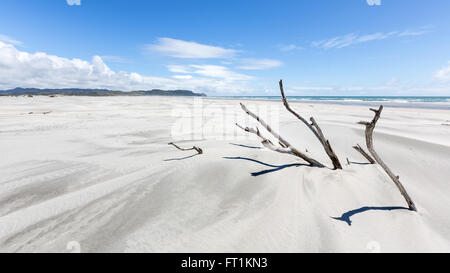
pixel 288 148
pixel 315 128
pixel 370 126
pixel 266 142
pixel 282 145
pixel 366 155
pixel 198 149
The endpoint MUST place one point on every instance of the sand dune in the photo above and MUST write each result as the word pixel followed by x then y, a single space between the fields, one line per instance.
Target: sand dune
pixel 99 172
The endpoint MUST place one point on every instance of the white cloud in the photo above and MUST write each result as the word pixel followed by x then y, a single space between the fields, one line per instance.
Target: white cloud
pixel 212 71
pixel 9 40
pixel 41 70
pixel 73 2
pixel 352 38
pixel 258 64
pixel 185 77
pixel 443 74
pixel 179 68
pixel 115 59
pixel 373 2
pixel 189 50
pixel 416 32
pixel 217 71
pixel 287 48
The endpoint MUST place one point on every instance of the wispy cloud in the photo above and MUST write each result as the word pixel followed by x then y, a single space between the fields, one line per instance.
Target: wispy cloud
pixel 189 50
pixel 218 71
pixel 73 2
pixel 373 2
pixel 417 32
pixel 116 59
pixel 9 40
pixel 443 75
pixel 290 47
pixel 183 77
pixel 206 70
pixel 258 64
pixel 179 68
pixel 353 38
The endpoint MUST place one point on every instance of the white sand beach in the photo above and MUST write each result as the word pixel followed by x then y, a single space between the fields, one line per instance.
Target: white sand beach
pixel 95 174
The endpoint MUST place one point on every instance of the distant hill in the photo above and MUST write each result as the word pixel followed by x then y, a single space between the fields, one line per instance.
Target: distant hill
pixel 96 92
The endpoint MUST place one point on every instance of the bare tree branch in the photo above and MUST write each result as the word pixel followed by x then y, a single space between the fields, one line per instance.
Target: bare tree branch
pixel 287 145
pixel 282 145
pixel 314 127
pixel 366 155
pixel 254 131
pixel 370 126
pixel 266 142
pixel 272 147
pixel 198 149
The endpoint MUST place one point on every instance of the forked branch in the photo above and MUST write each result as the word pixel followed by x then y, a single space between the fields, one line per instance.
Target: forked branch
pixel 198 149
pixel 370 126
pixel 265 141
pixel 366 155
pixel 286 147
pixel 314 127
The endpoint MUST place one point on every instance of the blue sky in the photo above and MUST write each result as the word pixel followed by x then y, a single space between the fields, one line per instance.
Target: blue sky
pixel 352 47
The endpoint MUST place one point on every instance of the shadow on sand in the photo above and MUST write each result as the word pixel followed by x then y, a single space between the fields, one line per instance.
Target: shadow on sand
pixel 274 167
pixel 180 158
pixel 245 146
pixel 346 216
pixel 360 163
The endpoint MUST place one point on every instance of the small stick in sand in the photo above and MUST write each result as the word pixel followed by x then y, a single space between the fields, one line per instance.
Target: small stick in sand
pixel 370 126
pixel 198 149
pixel 366 155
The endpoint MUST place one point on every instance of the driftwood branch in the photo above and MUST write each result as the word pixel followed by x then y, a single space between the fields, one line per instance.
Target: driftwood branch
pixel 265 141
pixel 198 149
pixel 370 126
pixel 314 127
pixel 364 153
pixel 254 131
pixel 282 145
pixel 286 147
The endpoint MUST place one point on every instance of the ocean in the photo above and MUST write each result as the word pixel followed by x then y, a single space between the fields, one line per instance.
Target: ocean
pixel 432 102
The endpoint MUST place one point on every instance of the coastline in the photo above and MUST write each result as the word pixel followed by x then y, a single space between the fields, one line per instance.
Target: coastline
pixel 390 104
pixel 295 99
